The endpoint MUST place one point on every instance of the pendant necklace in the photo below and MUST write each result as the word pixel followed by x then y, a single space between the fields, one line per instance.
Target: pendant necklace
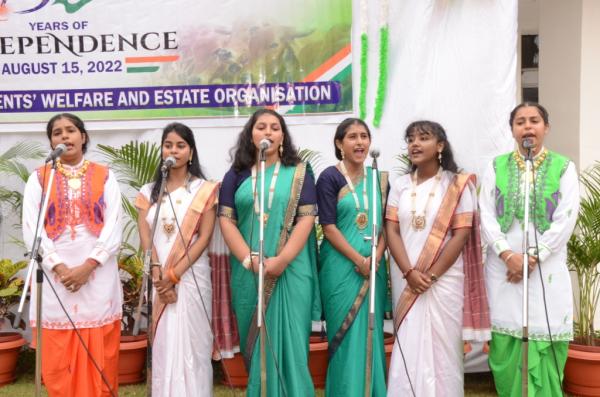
pixel 168 227
pixel 271 191
pixel 73 176
pixel 362 217
pixel 418 222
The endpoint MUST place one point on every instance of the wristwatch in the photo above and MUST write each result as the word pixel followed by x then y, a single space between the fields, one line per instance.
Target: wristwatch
pixel 433 277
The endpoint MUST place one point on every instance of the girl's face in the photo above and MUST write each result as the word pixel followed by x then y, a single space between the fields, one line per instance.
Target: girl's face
pixel 65 132
pixel 529 124
pixel 267 126
pixel 423 147
pixel 176 147
pixel 355 144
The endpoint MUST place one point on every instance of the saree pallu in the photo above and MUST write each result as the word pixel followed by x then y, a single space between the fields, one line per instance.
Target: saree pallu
pixel 340 286
pixel 293 299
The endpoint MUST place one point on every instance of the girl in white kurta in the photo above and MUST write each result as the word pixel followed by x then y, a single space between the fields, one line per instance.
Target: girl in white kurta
pixel 429 223
pixel 183 341
pixel 554 208
pixel 79 244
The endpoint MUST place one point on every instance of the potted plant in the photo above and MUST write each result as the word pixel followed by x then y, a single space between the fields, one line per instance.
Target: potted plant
pixel 583 362
pixel 135 163
pixel 11 288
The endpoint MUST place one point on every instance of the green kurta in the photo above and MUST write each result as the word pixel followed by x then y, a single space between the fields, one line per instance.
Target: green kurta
pixel 340 285
pixel 289 311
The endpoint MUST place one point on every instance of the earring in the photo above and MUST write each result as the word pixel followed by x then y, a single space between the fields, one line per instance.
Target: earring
pixel 342 154
pixel 281 150
pixel 440 157
pixel 190 161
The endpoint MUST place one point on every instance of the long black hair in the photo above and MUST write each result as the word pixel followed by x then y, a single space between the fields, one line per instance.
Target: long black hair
pixel 243 153
pixel 341 131
pixel 188 136
pixel 436 130
pixel 542 111
pixel 77 122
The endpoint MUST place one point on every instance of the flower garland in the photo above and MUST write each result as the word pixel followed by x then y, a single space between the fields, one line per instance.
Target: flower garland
pixel 383 57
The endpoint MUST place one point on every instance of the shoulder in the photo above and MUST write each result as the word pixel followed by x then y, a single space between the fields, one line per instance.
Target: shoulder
pixel 146 190
pixel 329 173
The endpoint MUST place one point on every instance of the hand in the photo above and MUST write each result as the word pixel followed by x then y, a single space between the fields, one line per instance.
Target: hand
pixel 514 266
pixel 418 282
pixel 274 266
pixel 169 296
pixel 362 266
pixel 156 272
pixel 532 262
pixel 162 285
pixel 74 278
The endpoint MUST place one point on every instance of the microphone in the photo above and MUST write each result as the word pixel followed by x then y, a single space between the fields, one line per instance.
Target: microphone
pixel 264 144
pixel 58 150
pixel 528 144
pixel 167 164
pixel 374 154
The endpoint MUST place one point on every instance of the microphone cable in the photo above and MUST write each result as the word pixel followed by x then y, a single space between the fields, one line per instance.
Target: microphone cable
pixel 191 267
pixel 535 234
pixel 264 311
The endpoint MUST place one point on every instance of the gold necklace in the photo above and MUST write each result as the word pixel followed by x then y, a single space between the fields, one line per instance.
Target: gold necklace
pixel 418 222
pixel 536 163
pixel 169 227
pixel 74 177
pixel 362 217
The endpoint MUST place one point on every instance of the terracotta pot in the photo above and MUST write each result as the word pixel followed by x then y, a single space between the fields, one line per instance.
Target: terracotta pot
pixel 235 374
pixel 10 346
pixel 582 369
pixel 132 359
pixel 318 358
pixel 388 344
pixel 234 371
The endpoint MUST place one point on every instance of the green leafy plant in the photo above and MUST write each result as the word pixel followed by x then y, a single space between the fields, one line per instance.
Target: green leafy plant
pixel 13 168
pixel 11 288
pixel 584 256
pixel 404 166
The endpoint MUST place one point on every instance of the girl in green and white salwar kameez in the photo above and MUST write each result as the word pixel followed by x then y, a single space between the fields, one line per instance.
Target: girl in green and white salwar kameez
pixel 554 211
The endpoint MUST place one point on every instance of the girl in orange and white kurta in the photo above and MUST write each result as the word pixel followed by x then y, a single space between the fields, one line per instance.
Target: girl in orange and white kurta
pixel 80 241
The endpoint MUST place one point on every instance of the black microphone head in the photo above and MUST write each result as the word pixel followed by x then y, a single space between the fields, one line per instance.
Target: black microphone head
pixel 375 153
pixel 264 144
pixel 60 148
pixel 56 152
pixel 528 143
pixel 169 162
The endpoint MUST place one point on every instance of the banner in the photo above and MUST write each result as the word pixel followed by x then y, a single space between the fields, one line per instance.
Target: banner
pixel 127 59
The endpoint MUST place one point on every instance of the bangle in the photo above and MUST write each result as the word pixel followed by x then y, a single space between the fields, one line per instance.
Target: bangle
pixel 508 257
pixel 405 275
pixel 247 262
pixel 364 261
pixel 172 276
pixel 433 277
pixel 155 264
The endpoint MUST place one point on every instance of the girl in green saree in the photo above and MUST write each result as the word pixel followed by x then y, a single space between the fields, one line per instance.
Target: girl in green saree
pixel 344 195
pixel 291 287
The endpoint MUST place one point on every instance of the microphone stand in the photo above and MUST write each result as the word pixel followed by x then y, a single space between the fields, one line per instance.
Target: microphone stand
pixel 372 276
pixel 35 260
pixel 261 277
pixel 525 320
pixel 147 283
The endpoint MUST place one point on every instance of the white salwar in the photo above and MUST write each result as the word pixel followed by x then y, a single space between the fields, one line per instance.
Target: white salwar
pixel 182 348
pixel 98 302
pixel 505 298
pixel 431 334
